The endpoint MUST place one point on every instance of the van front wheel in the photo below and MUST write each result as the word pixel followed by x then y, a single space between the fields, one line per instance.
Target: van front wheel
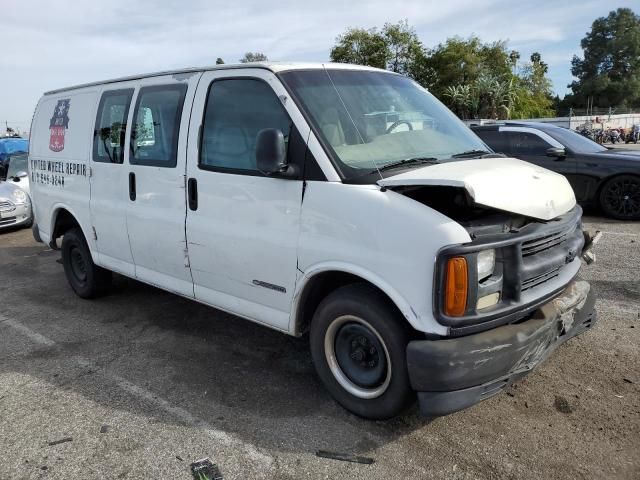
pixel 358 346
pixel 85 277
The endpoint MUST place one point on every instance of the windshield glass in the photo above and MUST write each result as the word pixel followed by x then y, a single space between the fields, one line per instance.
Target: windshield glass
pixel 368 120
pixel 17 163
pixel 574 141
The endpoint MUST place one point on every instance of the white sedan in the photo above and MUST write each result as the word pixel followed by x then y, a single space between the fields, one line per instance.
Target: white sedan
pixel 15 203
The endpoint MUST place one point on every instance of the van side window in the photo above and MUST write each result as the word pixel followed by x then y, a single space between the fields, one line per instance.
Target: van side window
pixel 154 135
pixel 236 110
pixel 111 124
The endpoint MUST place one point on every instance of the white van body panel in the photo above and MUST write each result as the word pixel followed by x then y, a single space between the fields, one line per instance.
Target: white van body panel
pixel 525 188
pixel 245 230
pixel 109 202
pixel 392 242
pixel 61 179
pixel 156 219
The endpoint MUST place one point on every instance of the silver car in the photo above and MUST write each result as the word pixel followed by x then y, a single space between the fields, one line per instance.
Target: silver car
pixel 15 203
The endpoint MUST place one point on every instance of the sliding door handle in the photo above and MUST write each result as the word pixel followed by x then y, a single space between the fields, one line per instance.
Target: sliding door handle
pixel 192 193
pixel 132 186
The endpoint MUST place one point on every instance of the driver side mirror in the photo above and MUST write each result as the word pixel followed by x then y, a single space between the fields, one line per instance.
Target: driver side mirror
pixel 20 175
pixel 557 152
pixel 271 153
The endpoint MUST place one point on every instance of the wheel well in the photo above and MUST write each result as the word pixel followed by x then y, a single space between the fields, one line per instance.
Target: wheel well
pixel 316 289
pixel 64 222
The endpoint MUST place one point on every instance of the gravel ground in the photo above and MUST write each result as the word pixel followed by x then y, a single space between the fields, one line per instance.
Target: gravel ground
pixel 141 383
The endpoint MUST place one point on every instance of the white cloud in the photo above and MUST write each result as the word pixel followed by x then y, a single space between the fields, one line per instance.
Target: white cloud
pixel 53 44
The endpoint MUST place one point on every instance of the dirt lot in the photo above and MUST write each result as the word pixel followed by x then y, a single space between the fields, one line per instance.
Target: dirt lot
pixel 141 383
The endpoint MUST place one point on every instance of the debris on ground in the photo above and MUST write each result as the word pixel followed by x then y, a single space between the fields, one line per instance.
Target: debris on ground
pixel 204 469
pixel 563 405
pixel 344 457
pixel 104 428
pixel 62 440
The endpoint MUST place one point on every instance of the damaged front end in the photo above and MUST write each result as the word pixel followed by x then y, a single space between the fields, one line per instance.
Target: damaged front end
pixel 452 374
pixel 520 300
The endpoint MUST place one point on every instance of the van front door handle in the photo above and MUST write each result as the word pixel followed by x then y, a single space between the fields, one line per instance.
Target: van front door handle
pixel 132 186
pixel 192 193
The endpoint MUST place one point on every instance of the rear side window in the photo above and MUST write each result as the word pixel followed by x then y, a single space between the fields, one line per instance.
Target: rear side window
pixel 111 124
pixel 524 143
pixel 495 139
pixel 157 115
pixel 236 110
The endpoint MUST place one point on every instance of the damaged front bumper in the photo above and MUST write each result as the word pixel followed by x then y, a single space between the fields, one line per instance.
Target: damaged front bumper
pixel 453 374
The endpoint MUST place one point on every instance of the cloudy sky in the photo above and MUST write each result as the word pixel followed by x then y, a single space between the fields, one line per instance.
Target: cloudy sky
pixel 50 44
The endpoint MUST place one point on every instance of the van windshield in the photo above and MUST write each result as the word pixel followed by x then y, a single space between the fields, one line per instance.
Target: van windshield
pixel 370 122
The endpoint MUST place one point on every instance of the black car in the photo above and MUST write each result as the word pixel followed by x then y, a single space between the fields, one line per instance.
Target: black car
pixel 600 176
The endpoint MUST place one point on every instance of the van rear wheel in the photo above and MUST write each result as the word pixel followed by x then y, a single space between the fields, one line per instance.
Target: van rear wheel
pixel 358 345
pixel 85 277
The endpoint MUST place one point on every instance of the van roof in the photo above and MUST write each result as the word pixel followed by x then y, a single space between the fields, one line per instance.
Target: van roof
pixel 275 67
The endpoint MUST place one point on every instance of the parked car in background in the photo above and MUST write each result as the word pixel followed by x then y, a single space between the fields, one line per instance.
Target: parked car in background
pixel 15 202
pixel 600 176
pixel 9 146
pixel 17 172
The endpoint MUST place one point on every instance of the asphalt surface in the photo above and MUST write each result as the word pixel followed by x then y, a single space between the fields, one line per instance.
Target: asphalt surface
pixel 141 383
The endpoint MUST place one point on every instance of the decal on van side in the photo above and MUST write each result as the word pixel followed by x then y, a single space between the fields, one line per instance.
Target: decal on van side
pixel 47 172
pixel 58 125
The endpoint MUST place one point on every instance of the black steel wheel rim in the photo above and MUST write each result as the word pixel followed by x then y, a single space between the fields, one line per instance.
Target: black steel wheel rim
pixel 622 197
pixel 78 265
pixel 361 355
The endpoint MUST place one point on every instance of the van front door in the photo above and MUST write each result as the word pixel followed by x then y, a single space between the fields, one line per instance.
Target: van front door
pixel 156 179
pixel 242 226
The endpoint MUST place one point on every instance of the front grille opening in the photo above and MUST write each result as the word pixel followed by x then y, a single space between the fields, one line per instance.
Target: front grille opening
pixel 538 279
pixel 531 247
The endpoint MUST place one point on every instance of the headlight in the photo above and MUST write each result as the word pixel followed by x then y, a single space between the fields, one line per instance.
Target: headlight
pixel 486 263
pixel 19 196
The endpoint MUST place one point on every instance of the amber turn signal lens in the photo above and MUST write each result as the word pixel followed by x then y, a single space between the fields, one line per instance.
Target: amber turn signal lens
pixel 455 302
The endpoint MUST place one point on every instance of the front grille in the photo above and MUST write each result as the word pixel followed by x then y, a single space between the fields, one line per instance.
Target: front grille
pixel 540 279
pixel 532 265
pixel 7 221
pixel 6 206
pixel 543 257
pixel 531 247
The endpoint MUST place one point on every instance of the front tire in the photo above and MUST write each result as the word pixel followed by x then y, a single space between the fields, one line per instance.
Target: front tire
pixel 620 197
pixel 85 277
pixel 358 345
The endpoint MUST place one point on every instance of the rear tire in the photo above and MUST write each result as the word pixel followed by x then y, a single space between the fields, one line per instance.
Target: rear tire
pixel 85 277
pixel 358 345
pixel 620 197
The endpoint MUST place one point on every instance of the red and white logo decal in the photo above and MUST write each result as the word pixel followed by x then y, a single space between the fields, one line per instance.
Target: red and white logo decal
pixel 58 125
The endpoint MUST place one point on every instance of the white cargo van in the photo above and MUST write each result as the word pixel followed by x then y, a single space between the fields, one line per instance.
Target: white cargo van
pixel 338 200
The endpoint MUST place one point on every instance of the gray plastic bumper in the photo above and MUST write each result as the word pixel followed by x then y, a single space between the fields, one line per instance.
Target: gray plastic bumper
pixel 453 374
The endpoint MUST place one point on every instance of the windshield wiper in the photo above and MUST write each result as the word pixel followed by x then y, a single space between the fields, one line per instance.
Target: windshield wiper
pixel 478 154
pixel 408 161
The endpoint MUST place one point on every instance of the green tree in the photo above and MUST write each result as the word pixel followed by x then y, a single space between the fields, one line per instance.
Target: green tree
pixel 219 61
pixel 610 68
pixel 475 79
pixel 534 93
pixel 402 47
pixel 361 47
pixel 463 61
pixel 253 57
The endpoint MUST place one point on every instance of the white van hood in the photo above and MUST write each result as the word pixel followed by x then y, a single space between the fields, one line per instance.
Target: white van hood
pixel 503 183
